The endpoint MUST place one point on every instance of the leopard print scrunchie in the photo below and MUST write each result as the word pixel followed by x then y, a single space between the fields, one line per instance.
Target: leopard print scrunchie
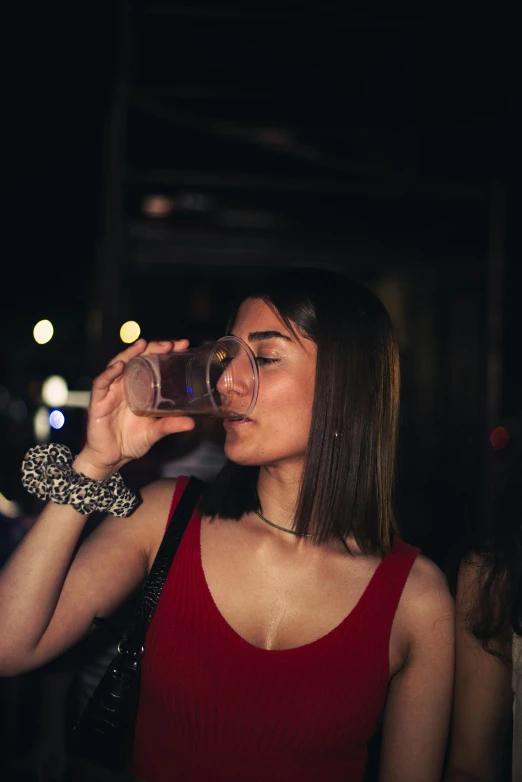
pixel 47 473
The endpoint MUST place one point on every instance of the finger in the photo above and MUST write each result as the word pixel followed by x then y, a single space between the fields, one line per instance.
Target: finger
pixel 108 376
pixel 167 346
pixel 132 351
pixel 180 344
pixel 172 425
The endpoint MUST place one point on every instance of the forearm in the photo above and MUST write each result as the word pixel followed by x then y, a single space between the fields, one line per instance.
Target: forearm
pixel 32 578
pixel 49 594
pixel 47 600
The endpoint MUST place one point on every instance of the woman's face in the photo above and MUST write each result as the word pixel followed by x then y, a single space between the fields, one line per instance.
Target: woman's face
pixel 278 428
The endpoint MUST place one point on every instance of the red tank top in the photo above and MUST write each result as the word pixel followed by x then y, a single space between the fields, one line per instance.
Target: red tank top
pixel 214 707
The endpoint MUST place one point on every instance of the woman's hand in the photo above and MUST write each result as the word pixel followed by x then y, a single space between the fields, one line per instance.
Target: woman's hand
pixel 115 435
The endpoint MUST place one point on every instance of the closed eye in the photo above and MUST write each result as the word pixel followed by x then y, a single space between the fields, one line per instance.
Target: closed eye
pixel 262 361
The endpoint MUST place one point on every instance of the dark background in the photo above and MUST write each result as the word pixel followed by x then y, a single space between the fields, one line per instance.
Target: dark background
pixel 382 143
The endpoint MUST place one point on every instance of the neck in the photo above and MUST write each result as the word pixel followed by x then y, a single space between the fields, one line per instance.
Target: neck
pixel 278 490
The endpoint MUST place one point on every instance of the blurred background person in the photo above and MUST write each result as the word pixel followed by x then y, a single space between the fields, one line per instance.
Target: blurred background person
pixel 486 737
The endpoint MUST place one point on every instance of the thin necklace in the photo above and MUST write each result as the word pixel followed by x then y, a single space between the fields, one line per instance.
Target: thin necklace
pixel 283 529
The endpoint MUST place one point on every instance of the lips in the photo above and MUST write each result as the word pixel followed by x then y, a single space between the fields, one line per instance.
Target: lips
pixel 229 425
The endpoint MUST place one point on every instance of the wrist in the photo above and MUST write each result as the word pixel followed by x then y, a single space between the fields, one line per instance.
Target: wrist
pixel 48 472
pixel 85 464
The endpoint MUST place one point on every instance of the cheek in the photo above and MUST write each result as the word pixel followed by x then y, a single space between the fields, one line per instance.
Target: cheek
pixel 287 397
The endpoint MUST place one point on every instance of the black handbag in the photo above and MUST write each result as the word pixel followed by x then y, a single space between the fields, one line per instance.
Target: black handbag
pixel 104 733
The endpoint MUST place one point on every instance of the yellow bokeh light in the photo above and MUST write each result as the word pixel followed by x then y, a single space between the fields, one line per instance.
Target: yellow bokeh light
pixel 130 331
pixel 43 332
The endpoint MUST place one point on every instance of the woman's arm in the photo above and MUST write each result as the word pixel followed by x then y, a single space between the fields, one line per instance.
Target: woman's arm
pixel 417 713
pixel 483 697
pixel 47 599
pixel 48 603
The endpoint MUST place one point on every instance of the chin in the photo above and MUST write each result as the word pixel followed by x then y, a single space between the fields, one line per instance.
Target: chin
pixel 246 453
pixel 241 457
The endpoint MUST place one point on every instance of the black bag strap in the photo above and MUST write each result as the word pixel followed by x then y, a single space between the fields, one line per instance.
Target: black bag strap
pixel 133 644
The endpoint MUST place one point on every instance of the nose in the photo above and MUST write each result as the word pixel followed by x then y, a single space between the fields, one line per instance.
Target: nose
pixel 235 381
pixel 237 377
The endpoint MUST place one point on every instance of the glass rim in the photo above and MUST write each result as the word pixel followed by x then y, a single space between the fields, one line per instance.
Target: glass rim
pixel 255 375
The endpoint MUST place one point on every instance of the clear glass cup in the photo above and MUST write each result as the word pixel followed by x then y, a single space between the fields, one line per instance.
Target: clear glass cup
pixel 218 379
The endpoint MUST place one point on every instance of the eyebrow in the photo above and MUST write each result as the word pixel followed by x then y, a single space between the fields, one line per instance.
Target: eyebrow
pixel 259 336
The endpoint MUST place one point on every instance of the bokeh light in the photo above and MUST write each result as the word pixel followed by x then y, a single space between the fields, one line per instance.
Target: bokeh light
pixel 78 399
pixel 55 391
pixel 157 206
pixel 43 332
pixel 129 332
pixel 499 438
pixel 41 426
pixel 56 419
pixel 9 508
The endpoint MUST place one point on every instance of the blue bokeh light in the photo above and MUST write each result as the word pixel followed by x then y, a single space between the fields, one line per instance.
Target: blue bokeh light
pixel 56 419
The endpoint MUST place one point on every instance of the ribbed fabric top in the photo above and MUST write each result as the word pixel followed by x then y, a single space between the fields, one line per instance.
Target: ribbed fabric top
pixel 215 707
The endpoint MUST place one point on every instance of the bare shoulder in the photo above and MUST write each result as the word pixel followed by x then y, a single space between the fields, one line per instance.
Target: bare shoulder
pixel 426 577
pixel 424 624
pixel 156 495
pixel 426 597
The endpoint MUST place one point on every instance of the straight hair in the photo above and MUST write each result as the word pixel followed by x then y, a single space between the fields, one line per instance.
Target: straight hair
pixel 346 487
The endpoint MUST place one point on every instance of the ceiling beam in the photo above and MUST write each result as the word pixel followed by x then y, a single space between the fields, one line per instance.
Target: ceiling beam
pixel 252 181
pixel 279 140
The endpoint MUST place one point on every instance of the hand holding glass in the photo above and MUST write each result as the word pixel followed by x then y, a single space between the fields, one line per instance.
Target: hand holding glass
pixel 218 379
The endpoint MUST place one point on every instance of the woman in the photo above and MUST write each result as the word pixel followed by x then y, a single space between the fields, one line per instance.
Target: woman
pixel 486 744
pixel 292 615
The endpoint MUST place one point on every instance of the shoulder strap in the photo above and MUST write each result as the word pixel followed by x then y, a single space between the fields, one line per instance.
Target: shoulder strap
pixel 161 566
